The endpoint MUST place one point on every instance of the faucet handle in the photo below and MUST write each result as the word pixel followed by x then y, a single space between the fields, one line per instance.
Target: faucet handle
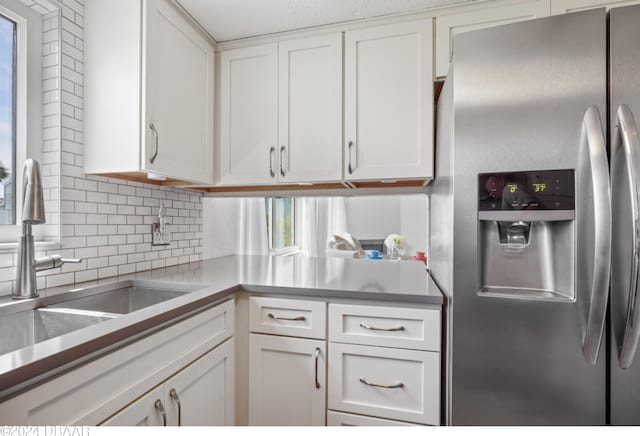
pixel 53 261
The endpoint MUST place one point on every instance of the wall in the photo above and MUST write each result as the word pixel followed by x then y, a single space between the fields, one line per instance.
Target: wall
pixel 104 221
pixel 375 217
pixel 367 217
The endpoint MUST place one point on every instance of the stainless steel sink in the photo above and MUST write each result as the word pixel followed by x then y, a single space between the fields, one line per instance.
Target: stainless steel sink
pixel 123 300
pixel 21 329
pixel 27 322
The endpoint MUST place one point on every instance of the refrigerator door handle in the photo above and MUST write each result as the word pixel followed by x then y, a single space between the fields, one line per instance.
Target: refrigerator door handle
pixel 594 138
pixel 631 148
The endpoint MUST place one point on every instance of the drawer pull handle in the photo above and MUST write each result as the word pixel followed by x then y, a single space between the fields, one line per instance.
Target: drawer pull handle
pixel 284 318
pixel 160 408
pixel 397 328
pixel 396 385
pixel 174 395
pixel 316 356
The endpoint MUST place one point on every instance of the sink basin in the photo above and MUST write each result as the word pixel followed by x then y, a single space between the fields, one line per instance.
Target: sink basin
pixel 22 329
pixel 121 301
pixel 65 313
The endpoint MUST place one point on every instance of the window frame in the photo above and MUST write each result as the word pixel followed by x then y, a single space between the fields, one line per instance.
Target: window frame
pixel 270 215
pixel 28 103
pixel 14 109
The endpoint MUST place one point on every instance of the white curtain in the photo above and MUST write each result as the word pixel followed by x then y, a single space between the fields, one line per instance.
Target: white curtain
pixel 318 219
pixel 252 228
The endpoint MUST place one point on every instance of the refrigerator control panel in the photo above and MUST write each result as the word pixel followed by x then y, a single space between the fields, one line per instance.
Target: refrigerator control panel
pixel 527 190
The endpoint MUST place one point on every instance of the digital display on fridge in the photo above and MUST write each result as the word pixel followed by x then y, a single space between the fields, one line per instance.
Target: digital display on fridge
pixel 527 190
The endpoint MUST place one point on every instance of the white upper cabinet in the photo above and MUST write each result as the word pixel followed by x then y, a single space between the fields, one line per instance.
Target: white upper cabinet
pixel 564 6
pixel 310 108
pixel 281 112
pixel 389 102
pixel 249 115
pixel 179 95
pixel 149 90
pixel 448 26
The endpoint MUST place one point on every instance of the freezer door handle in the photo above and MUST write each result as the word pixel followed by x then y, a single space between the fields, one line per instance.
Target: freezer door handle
pixel 593 137
pixel 628 133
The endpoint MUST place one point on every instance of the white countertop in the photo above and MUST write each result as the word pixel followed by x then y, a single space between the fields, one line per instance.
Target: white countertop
pixel 379 280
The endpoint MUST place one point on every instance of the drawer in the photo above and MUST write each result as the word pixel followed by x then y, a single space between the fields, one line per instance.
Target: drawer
pixel 335 419
pixel 281 316
pixel 385 382
pixel 397 327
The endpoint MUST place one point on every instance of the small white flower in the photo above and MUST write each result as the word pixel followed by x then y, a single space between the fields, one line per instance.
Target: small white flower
pixel 396 241
pixel 400 242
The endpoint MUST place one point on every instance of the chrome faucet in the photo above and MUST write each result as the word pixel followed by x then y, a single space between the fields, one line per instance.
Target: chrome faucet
pixel 32 214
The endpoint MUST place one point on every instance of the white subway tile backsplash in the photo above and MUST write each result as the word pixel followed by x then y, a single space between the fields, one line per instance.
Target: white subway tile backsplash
pixel 95 241
pixel 126 269
pixel 107 208
pixel 83 276
pixel 117 240
pixel 107 272
pixel 108 250
pixel 117 219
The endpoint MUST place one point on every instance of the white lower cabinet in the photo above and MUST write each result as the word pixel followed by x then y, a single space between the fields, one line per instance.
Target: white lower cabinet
pixel 384 363
pixel 193 356
pixel 142 412
pixel 200 394
pixel 287 381
pixel 340 419
pixel 385 382
pixel 204 392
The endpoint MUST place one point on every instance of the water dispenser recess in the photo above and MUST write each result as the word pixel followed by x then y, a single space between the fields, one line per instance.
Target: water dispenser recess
pixel 526 235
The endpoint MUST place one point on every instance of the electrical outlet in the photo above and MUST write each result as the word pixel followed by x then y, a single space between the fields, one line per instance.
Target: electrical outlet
pixel 159 236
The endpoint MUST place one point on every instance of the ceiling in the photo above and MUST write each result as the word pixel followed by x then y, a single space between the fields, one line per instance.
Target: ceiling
pixel 226 20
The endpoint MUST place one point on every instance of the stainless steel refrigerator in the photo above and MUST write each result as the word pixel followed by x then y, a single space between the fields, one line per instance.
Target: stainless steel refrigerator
pixel 535 234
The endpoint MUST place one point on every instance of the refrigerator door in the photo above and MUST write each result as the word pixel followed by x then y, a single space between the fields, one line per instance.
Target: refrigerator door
pixel 521 93
pixel 625 175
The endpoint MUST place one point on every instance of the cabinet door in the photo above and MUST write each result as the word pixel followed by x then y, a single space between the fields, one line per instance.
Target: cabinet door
pixel 248 115
pixel 203 392
pixel 179 72
pixel 448 26
pixel 283 373
pixel 564 6
pixel 389 102
pixel 310 106
pixel 145 410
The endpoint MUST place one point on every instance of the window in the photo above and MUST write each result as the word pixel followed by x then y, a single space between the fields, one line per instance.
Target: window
pixel 8 59
pixel 21 110
pixel 281 224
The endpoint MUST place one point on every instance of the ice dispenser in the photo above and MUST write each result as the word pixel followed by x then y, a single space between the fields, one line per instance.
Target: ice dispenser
pixel 526 235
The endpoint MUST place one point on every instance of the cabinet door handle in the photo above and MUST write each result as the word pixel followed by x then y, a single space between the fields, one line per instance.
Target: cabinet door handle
pixel 397 328
pixel 316 356
pixel 284 318
pixel 157 136
pixel 351 167
pixel 160 408
pixel 174 395
pixel 282 150
pixel 271 172
pixel 396 385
